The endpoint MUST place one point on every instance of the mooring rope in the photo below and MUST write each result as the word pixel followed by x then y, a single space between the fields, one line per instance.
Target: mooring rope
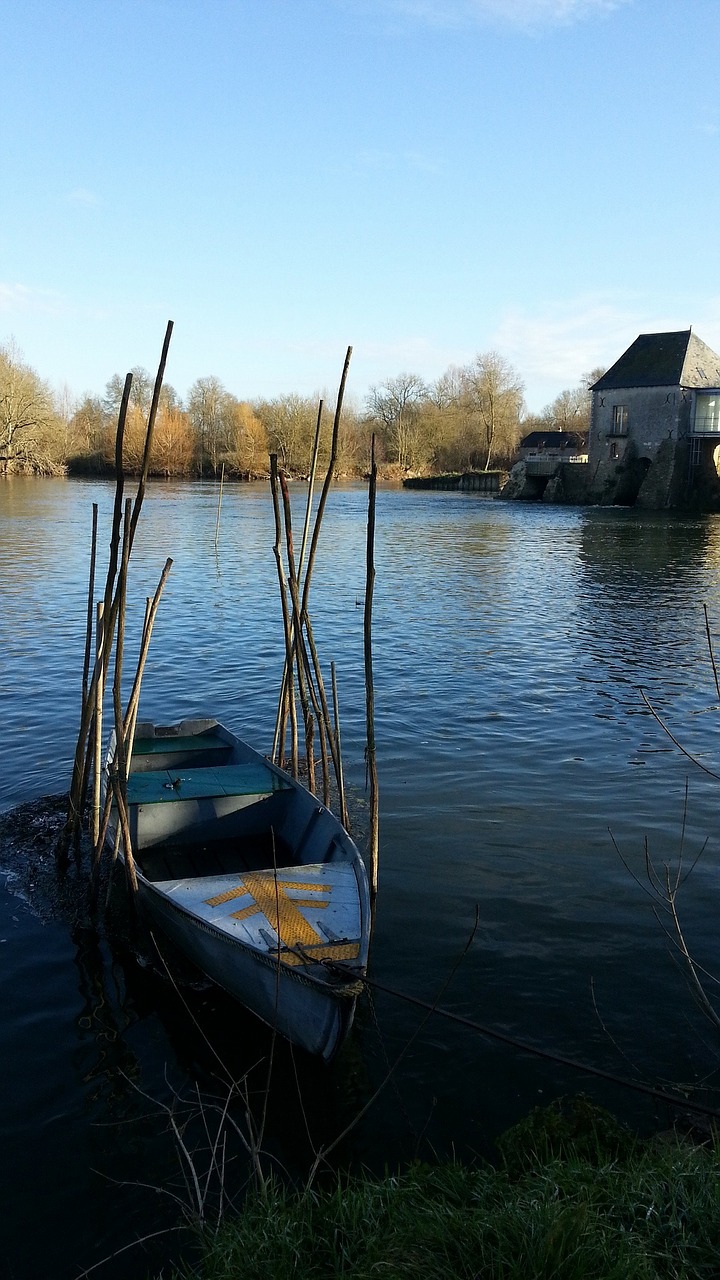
pixel 660 1095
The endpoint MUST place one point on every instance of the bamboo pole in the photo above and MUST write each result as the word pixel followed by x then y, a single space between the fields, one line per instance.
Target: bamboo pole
pixel 150 615
pixel 326 483
pixel 344 817
pixel 282 700
pixel 133 702
pixel 77 784
pixel 97 731
pixel 119 767
pixel 220 497
pixel 302 661
pixel 373 839
pixel 150 432
pixel 91 600
pixel 277 551
pixel 111 596
pixel 311 488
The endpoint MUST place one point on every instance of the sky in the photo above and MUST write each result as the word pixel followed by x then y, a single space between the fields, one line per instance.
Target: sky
pixel 421 179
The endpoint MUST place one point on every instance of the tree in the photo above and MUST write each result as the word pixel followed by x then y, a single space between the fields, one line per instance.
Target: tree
pixel 140 393
pixel 570 410
pixel 210 408
pixel 396 406
pixel 27 416
pixel 249 453
pixel 290 424
pixel 172 450
pixel 492 393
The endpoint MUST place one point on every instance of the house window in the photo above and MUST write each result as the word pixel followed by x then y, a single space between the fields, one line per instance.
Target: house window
pixel 707 413
pixel 620 420
pixel 614 450
pixel 695 452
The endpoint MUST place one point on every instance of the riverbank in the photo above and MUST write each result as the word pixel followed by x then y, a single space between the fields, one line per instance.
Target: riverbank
pixel 574 1196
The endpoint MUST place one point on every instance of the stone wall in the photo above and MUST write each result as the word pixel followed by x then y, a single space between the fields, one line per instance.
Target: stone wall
pixel 658 419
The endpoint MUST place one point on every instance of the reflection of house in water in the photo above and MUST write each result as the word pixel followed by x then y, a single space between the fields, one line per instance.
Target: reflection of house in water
pixel 655 423
pixel 654 433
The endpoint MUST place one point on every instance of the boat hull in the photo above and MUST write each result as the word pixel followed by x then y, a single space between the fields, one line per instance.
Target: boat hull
pixel 255 881
pixel 303 1010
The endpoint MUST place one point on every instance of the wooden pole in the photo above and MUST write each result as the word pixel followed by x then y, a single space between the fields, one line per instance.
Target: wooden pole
pixel 131 713
pixel 150 615
pixel 344 817
pixel 282 700
pixel 277 551
pixel 373 840
pixel 97 735
pixel 326 483
pixel 91 600
pixel 217 522
pixel 119 770
pixel 302 661
pixel 111 597
pixel 77 784
pixel 149 432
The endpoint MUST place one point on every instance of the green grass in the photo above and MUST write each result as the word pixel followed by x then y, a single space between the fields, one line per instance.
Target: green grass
pixel 595 1205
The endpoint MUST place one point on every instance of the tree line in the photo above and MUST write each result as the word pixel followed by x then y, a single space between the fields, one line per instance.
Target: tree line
pixel 471 418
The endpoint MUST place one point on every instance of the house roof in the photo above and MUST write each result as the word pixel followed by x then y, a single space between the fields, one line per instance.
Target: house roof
pixel 552 440
pixel 664 360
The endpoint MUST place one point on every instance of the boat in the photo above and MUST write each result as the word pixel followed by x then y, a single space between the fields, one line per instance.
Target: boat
pixel 250 876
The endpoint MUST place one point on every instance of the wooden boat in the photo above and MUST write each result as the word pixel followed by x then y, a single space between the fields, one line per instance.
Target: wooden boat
pixel 256 881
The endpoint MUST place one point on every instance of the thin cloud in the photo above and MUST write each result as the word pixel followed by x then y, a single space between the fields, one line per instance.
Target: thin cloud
pixel 20 298
pixel 555 347
pixel 526 15
pixel 83 196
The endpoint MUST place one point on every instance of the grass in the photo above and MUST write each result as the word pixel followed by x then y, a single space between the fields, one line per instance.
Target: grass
pixel 573 1196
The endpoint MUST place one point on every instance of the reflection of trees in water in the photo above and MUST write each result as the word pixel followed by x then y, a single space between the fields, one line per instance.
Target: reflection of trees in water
pixel 103 1020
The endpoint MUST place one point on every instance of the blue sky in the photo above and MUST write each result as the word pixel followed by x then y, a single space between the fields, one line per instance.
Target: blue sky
pixel 422 179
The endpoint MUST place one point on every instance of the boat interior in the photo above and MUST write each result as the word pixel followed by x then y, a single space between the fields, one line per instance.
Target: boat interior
pixel 203 804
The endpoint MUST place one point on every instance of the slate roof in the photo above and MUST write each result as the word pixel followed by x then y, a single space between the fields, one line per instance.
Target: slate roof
pixel 552 440
pixel 663 360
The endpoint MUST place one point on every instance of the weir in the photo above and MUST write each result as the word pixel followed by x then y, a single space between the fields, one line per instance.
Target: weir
pixel 463 482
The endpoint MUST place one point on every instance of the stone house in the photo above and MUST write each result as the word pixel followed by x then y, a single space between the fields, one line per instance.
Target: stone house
pixel 655 424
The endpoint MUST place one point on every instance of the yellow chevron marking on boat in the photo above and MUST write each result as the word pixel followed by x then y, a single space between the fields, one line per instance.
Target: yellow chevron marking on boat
pixel 332 951
pixel 239 891
pixel 281 912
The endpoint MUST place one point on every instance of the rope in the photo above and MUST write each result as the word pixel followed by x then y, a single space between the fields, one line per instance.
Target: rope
pixel 658 1094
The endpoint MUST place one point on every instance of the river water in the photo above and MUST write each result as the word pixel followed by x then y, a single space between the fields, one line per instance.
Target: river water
pixel 516 756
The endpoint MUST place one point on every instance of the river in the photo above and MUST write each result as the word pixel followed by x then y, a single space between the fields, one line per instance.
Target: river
pixel 516 755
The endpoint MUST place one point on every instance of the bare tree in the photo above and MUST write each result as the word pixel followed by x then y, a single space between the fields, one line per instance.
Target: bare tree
pixel 396 407
pixel 140 395
pixel 26 414
pixel 492 392
pixel 570 410
pixel 290 424
pixel 209 405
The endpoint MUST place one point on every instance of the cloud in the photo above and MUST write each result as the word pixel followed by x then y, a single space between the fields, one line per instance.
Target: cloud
pixel 82 196
pixel 526 15
pixel 555 347
pixel 21 298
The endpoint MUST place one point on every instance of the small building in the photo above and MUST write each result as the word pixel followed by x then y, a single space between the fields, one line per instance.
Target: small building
pixel 553 446
pixel 655 424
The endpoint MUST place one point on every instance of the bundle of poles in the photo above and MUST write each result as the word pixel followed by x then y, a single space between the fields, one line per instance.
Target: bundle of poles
pixel 302 678
pixel 302 671
pixel 109 635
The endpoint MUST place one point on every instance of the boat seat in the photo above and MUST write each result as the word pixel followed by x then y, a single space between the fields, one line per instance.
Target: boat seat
pixel 163 786
pixel 178 752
